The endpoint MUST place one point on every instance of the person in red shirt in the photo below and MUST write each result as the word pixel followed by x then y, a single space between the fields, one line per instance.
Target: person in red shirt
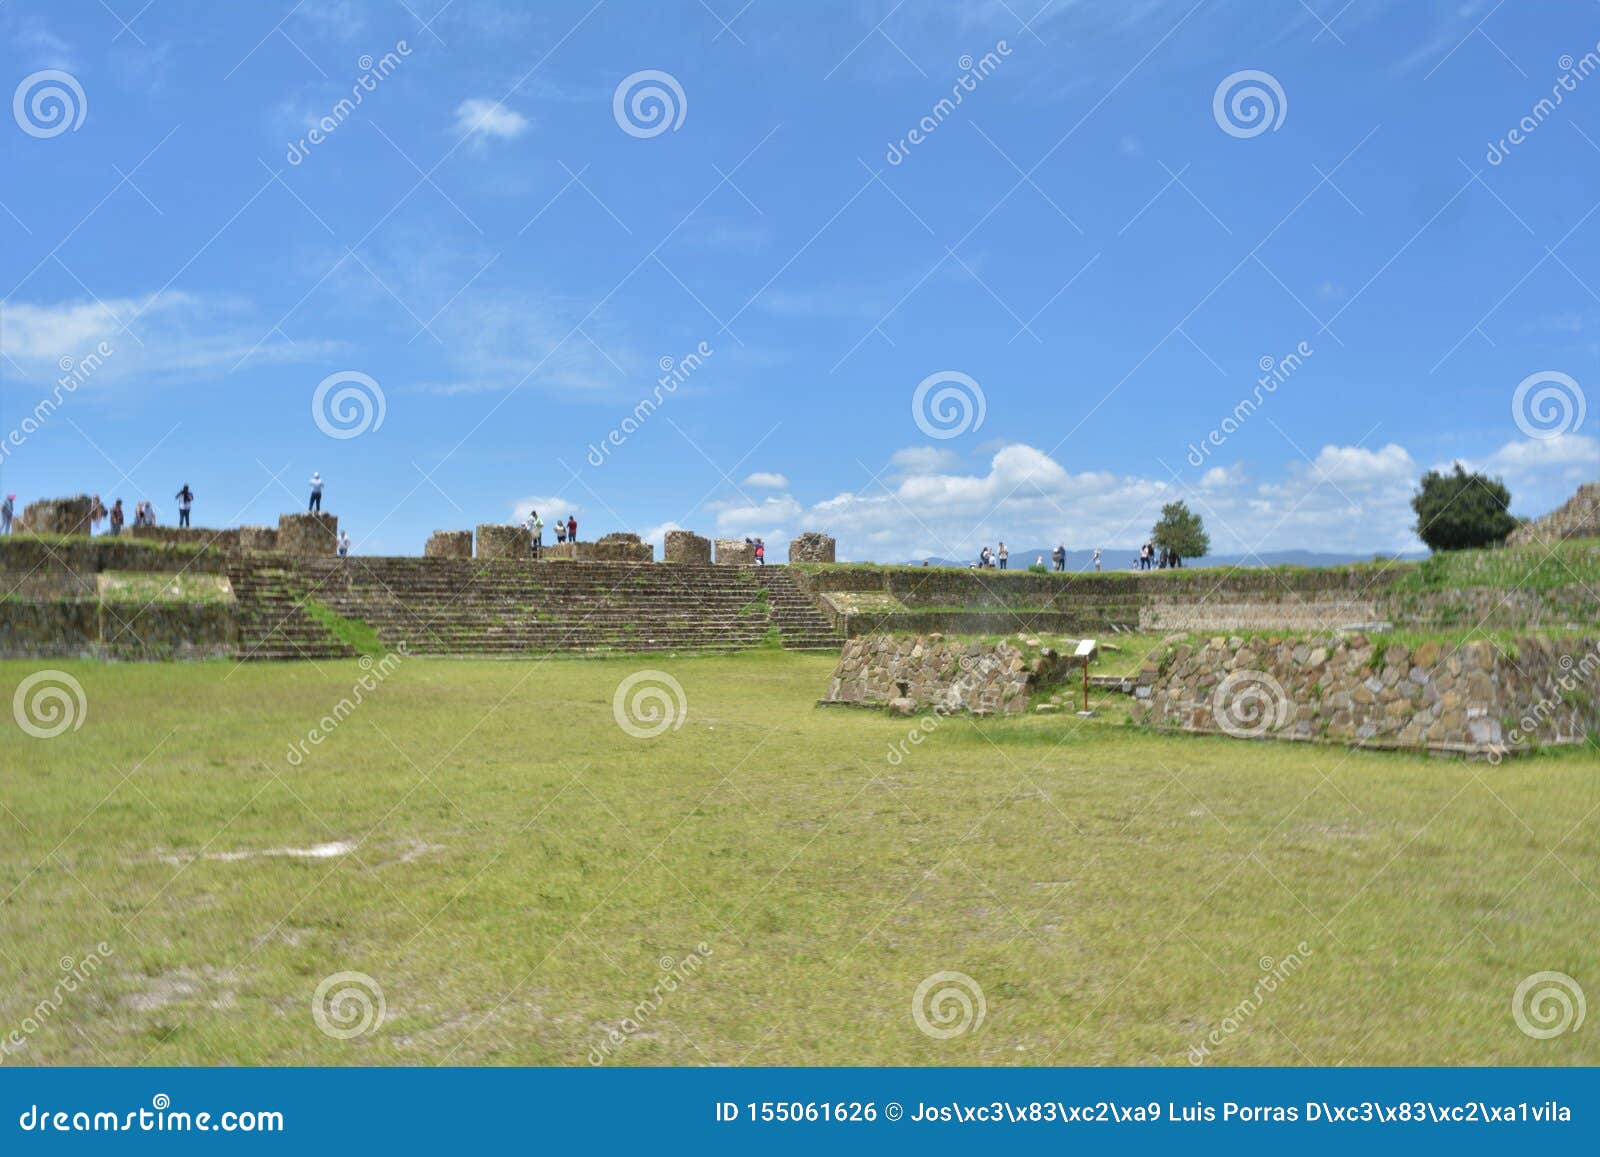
pixel 572 528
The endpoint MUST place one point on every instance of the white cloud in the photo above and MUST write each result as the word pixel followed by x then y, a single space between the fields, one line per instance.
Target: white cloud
pixel 489 118
pixel 762 480
pixel 157 338
pixel 549 508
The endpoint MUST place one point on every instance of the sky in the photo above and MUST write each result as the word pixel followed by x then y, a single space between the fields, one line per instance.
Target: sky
pixel 923 276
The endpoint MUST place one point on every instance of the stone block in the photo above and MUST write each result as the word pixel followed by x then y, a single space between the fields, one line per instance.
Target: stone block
pixel 58 515
pixel 504 541
pixel 448 544
pixel 735 552
pixel 811 546
pixel 258 538
pixel 685 546
pixel 308 533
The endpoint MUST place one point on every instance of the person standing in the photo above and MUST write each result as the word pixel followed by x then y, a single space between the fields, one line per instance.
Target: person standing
pixel 344 544
pixel 97 514
pixel 561 532
pixel 1058 556
pixel 1004 554
pixel 185 499
pixel 316 493
pixel 572 528
pixel 761 553
pixel 116 518
pixel 1097 560
pixel 8 510
pixel 536 529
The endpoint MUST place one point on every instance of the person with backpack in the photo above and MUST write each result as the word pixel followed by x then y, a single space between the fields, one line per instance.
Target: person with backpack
pixel 761 553
pixel 316 493
pixel 1058 556
pixel 185 499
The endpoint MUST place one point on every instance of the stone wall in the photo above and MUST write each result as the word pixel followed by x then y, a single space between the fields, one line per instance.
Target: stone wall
pixel 1578 517
pixel 309 533
pixel 811 547
pixel 1355 689
pixel 198 535
pixel 1312 611
pixel 909 674
pixel 685 546
pixel 735 552
pixel 448 544
pixel 500 540
pixel 612 548
pixel 258 538
pixel 58 515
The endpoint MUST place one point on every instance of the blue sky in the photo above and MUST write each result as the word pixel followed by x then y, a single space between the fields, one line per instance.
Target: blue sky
pixel 1094 250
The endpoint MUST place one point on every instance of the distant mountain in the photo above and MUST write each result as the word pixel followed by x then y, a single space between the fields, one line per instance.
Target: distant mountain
pixel 1124 558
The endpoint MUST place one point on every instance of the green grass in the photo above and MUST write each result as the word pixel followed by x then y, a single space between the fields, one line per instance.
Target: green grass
pixel 521 868
pixel 1535 568
pixel 354 632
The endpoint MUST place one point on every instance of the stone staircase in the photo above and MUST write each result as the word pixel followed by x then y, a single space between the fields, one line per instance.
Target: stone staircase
pixel 273 623
pixel 801 626
pixel 476 607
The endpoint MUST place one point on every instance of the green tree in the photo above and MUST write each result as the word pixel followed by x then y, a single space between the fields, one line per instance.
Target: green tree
pixel 1179 530
pixel 1461 511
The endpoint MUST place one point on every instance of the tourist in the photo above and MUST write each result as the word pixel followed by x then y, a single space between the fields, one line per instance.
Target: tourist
pixel 561 532
pixel 983 558
pixel 1097 560
pixel 1039 562
pixel 1004 554
pixel 572 528
pixel 761 553
pixel 97 514
pixel 536 532
pixel 116 518
pixel 1059 556
pixel 316 493
pixel 185 499
pixel 344 544
pixel 8 511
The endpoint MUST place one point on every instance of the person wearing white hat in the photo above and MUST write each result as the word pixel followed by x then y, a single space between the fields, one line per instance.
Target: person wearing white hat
pixel 316 492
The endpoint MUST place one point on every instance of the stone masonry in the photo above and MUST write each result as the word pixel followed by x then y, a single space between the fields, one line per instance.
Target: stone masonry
pixel 258 538
pixel 1578 517
pixel 735 552
pixel 1475 698
pixel 309 533
pixel 448 544
pixel 811 547
pixel 58 515
pixel 908 674
pixel 502 540
pixel 685 546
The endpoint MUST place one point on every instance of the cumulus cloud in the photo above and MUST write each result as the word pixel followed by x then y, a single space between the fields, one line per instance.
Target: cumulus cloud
pixel 489 118
pixel 549 508
pixel 762 480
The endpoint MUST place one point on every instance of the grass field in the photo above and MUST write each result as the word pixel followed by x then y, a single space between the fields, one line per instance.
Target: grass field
pixel 519 876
